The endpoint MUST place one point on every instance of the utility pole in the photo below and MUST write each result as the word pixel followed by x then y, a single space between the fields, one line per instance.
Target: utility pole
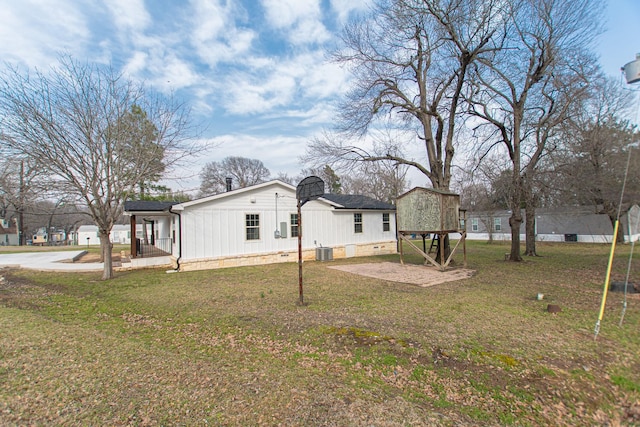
pixel 22 240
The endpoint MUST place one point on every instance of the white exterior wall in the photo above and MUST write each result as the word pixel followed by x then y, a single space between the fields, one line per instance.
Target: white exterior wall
pixel 503 237
pixel 335 227
pixel 163 228
pixel 216 228
pixel 88 235
pixel 9 239
pixel 497 237
pixel 119 234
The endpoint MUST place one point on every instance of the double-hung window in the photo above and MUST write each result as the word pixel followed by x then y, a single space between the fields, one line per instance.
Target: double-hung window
pixel 294 225
pixel 357 223
pixel 386 226
pixel 252 226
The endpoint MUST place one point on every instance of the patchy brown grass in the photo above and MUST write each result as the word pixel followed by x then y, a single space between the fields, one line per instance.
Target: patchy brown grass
pixel 232 347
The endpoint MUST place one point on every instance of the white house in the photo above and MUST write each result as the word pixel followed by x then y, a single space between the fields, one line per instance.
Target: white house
pixel 565 224
pixel 120 234
pixel 259 225
pixel 8 233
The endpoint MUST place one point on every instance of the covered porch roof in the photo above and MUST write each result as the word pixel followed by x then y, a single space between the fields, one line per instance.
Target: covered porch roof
pixel 147 207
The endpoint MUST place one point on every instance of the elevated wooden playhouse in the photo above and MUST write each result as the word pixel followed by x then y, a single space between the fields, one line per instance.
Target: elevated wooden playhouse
pixel 425 211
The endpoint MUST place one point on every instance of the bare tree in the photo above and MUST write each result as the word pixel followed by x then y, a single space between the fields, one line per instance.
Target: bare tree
pixel 383 181
pixel 485 189
pixel 523 93
pixel 600 141
pixel 243 172
pixel 70 120
pixel 285 177
pixel 21 187
pixel 410 61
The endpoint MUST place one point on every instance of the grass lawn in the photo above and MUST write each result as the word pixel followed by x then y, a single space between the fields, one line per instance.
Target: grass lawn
pixel 231 347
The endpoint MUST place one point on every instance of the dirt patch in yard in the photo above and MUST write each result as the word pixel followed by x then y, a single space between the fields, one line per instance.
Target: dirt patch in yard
pixel 420 275
pixel 95 257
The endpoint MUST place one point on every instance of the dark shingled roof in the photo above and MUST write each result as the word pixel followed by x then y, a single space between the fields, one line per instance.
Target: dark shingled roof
pixel 147 206
pixel 348 201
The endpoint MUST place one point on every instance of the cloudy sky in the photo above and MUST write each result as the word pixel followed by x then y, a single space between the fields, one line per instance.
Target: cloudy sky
pixel 254 71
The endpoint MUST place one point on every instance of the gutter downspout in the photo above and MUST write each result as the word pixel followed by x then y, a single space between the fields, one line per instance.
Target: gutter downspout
pixel 179 237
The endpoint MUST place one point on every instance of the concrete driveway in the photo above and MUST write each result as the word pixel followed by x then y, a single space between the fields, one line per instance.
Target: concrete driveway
pixel 48 261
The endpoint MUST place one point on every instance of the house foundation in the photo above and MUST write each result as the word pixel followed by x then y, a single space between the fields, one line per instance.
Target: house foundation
pixel 346 251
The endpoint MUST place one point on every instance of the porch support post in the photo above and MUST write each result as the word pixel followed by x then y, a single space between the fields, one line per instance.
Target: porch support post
pixel 132 222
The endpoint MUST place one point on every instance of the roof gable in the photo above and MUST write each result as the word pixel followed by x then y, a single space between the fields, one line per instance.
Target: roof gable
pixel 428 191
pixel 252 188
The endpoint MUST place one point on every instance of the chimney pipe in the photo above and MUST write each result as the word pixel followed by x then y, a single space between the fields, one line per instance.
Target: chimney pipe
pixel 228 181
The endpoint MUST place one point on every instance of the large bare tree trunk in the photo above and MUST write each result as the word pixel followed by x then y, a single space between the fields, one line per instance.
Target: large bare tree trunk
pixel 515 220
pixel 530 204
pixel 106 248
pixel 530 230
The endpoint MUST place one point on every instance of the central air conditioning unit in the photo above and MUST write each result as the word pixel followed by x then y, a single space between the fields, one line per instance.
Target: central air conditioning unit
pixel 324 254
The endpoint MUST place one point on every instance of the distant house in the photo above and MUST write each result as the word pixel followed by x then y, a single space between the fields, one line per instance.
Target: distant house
pixel 41 237
pixel 8 234
pixel 259 225
pixel 120 234
pixel 568 224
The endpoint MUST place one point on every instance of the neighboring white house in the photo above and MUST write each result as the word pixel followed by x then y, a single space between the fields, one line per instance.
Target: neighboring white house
pixel 8 233
pixel 120 234
pixel 569 224
pixel 259 225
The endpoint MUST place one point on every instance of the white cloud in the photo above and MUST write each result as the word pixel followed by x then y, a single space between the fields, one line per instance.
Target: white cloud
pixel 33 32
pixel 129 15
pixel 270 83
pixel 249 95
pixel 320 78
pixel 278 153
pixel 285 13
pixel 344 8
pixel 301 19
pixel 215 35
pixel 307 31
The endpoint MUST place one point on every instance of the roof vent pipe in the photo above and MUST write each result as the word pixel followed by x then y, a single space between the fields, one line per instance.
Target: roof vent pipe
pixel 228 181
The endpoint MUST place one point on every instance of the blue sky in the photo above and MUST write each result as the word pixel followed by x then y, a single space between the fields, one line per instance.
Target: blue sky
pixel 254 71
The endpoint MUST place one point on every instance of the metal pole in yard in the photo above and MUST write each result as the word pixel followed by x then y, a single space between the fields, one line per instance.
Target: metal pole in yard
pixel 301 299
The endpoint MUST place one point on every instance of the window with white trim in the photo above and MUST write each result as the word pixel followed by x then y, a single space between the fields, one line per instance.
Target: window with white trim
pixel 386 225
pixel 294 225
pixel 252 226
pixel 474 224
pixel 357 223
pixel 497 224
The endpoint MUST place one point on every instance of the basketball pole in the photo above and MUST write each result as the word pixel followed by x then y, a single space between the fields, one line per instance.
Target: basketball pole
pixel 301 296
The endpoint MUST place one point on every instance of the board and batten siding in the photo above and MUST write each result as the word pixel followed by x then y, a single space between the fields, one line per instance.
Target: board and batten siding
pixel 330 227
pixel 216 228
